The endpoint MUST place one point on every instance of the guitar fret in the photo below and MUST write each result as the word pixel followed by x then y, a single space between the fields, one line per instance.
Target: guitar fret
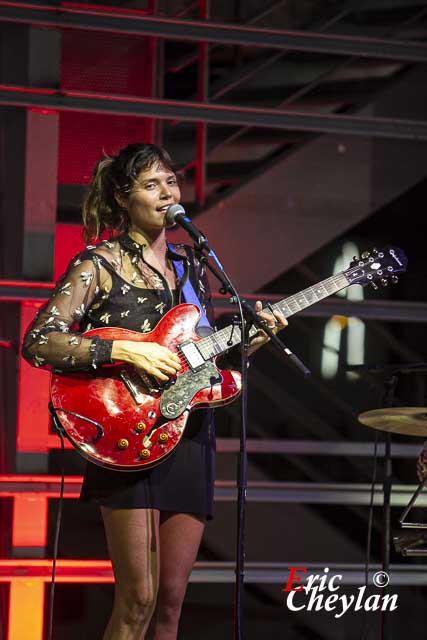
pixel 292 305
pixel 302 300
pixel 329 286
pixel 320 291
pixel 230 336
pixel 340 281
pixel 310 295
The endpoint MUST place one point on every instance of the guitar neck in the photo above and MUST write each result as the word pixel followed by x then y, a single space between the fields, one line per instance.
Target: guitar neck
pixel 230 336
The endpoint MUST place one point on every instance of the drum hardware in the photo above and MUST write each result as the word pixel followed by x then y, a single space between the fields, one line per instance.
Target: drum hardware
pixel 390 420
pixel 408 421
pixel 410 543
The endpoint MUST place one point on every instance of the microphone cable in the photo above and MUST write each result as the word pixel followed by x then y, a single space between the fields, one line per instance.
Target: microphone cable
pixel 58 521
pixel 61 433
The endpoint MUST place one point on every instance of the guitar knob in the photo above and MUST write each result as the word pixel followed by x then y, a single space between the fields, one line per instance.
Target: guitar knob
pixel 140 427
pixel 144 453
pixel 384 282
pixel 375 250
pixel 123 443
pixel 163 438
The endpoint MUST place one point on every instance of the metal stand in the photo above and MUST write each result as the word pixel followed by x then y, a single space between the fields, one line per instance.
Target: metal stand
pixel 390 386
pixel 409 543
pixel 389 372
pixel 248 317
pixel 413 525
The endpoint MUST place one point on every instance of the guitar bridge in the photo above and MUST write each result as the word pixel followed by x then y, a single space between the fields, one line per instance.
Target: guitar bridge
pixel 149 383
pixel 132 388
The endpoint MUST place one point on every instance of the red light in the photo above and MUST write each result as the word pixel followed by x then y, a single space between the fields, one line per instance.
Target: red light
pixel 98 8
pixel 44 112
pixel 26 605
pixel 66 571
pixel 29 523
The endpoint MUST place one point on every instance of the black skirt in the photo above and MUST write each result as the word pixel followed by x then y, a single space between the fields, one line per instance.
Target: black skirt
pixel 183 483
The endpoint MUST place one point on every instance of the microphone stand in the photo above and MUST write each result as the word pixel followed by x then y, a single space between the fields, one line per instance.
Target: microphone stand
pixel 389 382
pixel 389 389
pixel 248 317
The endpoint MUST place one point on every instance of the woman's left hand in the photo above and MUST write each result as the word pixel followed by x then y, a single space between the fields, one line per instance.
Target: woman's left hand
pixel 276 322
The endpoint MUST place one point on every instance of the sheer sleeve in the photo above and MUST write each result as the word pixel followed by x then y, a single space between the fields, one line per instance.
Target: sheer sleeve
pixel 54 340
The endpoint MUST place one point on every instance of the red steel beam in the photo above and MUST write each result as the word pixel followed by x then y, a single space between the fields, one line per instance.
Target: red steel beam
pixel 44 486
pixel 84 101
pixel 150 74
pixel 202 96
pixel 112 21
pixel 66 570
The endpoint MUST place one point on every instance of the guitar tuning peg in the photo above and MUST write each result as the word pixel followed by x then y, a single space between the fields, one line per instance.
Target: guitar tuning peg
pixel 365 255
pixel 374 286
pixel 355 258
pixel 384 282
pixel 375 250
pixel 394 279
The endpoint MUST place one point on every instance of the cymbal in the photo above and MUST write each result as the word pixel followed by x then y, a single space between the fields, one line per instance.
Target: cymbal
pixel 408 421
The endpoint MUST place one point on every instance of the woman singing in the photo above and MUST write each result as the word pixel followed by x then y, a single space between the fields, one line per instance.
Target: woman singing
pixel 154 519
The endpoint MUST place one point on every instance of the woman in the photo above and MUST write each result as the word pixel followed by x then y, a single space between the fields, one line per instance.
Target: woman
pixel 154 519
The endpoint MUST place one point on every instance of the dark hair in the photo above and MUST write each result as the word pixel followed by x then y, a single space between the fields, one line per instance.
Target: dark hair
pixel 115 176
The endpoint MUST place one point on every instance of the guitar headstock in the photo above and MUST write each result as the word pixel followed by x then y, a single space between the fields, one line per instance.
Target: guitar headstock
pixel 377 267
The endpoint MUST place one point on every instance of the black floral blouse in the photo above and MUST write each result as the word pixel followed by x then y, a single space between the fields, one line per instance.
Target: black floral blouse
pixel 110 284
pixel 113 285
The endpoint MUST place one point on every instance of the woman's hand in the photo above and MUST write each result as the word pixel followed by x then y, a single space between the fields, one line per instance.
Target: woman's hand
pixel 276 322
pixel 151 357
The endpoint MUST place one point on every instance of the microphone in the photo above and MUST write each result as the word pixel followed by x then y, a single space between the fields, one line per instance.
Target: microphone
pixel 175 214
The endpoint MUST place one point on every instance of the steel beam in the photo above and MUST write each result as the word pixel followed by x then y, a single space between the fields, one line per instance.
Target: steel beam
pixel 83 571
pixel 136 23
pixel 345 494
pixel 202 96
pixel 384 310
pixel 278 572
pixel 380 5
pixel 316 447
pixel 390 128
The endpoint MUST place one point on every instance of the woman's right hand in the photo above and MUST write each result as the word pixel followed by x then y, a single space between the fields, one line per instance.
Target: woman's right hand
pixel 151 357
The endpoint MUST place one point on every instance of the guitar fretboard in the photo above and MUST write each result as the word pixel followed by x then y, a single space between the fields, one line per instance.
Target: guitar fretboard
pixel 230 336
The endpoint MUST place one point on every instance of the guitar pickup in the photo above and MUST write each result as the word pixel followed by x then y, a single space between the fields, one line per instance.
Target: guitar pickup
pixel 192 355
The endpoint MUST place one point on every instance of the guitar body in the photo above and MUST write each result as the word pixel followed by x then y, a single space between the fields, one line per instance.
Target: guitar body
pixel 121 421
pixel 117 418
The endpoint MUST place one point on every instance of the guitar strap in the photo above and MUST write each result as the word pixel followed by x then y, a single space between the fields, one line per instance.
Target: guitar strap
pixel 188 292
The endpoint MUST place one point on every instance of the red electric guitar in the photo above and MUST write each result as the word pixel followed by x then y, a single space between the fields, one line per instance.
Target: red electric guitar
pixel 121 419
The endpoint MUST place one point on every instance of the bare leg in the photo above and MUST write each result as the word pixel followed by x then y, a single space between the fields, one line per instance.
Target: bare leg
pixel 132 537
pixel 180 536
